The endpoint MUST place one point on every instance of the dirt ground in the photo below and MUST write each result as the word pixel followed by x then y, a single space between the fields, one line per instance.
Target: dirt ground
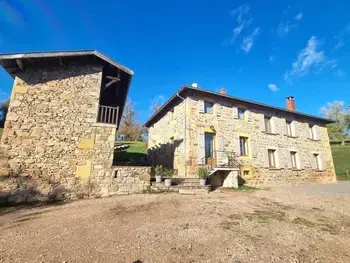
pixel 287 224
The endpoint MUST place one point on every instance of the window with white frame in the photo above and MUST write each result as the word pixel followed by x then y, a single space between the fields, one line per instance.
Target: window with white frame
pixel 243 143
pixel 267 124
pixel 289 128
pixel 316 160
pixel 311 132
pixel 272 158
pixel 293 157
pixel 240 112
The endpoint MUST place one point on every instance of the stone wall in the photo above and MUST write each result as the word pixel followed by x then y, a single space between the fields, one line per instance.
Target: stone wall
pixel 52 141
pixel 223 124
pixel 166 143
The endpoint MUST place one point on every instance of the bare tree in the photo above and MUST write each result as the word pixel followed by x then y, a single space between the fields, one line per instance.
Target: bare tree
pixel 130 127
pixel 156 103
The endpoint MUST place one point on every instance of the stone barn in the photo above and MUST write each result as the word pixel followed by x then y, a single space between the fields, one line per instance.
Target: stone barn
pixel 59 134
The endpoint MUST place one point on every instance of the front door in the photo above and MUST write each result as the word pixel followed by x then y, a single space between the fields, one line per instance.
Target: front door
pixel 209 148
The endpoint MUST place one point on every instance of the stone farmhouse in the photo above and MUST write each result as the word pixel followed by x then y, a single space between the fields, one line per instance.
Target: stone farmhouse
pixel 59 135
pixel 239 140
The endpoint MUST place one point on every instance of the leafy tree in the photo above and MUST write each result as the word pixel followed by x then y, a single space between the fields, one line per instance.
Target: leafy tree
pixel 130 127
pixel 336 111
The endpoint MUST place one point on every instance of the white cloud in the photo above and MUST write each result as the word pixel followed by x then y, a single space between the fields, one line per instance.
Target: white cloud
pixel 310 59
pixel 248 41
pixel 273 87
pixel 299 16
pixel 240 13
pixel 342 37
pixel 284 28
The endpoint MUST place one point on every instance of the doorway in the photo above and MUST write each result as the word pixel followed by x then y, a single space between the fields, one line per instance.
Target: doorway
pixel 209 148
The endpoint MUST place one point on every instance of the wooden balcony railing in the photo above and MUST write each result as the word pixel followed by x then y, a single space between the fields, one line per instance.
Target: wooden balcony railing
pixel 108 114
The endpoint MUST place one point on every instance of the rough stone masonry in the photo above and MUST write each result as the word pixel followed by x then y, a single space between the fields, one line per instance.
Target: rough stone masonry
pixel 52 146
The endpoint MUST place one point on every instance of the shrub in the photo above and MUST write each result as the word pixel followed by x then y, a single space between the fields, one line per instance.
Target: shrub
pixel 168 173
pixel 202 173
pixel 159 170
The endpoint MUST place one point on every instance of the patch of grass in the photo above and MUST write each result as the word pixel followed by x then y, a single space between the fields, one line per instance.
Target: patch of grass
pixel 263 216
pixel 135 154
pixel 246 188
pixel 341 157
pixel 0 132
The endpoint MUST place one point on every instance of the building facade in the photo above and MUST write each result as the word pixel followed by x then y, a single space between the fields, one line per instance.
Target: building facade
pixel 269 145
pixel 61 127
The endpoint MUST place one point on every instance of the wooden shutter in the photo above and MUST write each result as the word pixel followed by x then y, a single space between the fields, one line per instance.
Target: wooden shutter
pixel 284 127
pixel 266 158
pixel 201 147
pixel 312 161
pixel 274 125
pixel 295 129
pixel 249 115
pixel 253 148
pixel 280 158
pixel 235 112
pixel 323 161
pixel 289 159
pixel 262 122
pixel 300 160
pixel 220 148
pixel 200 106
pixel 306 130
pixel 316 130
pixel 237 147
pixel 217 109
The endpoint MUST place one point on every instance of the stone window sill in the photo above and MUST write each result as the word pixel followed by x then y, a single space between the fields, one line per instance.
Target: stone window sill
pixel 314 140
pixel 318 170
pixel 269 133
pixel 274 168
pixel 296 169
pixel 292 136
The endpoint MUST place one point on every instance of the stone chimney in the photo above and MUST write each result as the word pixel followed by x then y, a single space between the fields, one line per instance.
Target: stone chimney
pixel 223 91
pixel 290 103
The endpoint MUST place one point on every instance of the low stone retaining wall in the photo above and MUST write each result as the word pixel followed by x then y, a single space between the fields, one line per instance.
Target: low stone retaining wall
pixel 118 180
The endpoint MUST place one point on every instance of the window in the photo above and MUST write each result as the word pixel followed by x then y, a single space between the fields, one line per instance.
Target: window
pixel 208 107
pixel 268 124
pixel 316 161
pixel 293 157
pixel 243 144
pixel 246 173
pixel 272 158
pixel 240 113
pixel 311 132
pixel 289 128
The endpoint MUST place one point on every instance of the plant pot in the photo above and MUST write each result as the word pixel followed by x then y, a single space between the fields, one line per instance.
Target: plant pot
pixel 158 179
pixel 167 182
pixel 202 182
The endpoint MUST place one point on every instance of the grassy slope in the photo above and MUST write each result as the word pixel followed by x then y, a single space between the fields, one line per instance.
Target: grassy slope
pixel 341 157
pixel 136 152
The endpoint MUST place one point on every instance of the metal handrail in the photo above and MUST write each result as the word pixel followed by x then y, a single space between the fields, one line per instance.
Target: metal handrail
pixel 220 159
pixel 108 114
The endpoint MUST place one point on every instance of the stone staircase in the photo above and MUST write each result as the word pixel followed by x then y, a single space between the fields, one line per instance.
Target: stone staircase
pixel 182 186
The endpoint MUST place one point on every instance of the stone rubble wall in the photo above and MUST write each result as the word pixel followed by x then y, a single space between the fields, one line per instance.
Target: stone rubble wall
pixel 231 128
pixel 52 147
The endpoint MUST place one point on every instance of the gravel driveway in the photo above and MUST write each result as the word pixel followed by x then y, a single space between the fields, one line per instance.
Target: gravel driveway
pixel 286 224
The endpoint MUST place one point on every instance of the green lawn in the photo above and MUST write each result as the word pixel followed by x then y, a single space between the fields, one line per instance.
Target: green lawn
pixel 135 154
pixel 341 157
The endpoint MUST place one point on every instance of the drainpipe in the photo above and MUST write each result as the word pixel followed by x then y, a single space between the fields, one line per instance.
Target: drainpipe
pixel 184 100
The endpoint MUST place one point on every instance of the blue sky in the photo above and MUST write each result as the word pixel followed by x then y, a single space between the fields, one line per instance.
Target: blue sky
pixel 258 50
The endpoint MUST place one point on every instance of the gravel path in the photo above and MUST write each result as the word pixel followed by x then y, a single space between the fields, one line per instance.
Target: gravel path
pixel 286 224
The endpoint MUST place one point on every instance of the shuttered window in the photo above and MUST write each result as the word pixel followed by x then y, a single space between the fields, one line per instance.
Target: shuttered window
pixel 240 113
pixel 208 107
pixel 311 132
pixel 293 157
pixel 243 144
pixel 272 158
pixel 267 125
pixel 316 160
pixel 289 128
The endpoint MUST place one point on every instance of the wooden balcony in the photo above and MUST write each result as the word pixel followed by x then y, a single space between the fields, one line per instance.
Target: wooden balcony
pixel 108 115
